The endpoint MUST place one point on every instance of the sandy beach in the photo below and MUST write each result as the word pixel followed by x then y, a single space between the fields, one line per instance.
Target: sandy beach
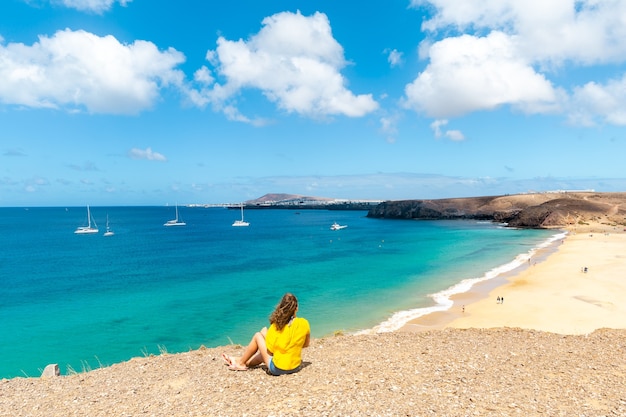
pixel 576 289
pixel 555 346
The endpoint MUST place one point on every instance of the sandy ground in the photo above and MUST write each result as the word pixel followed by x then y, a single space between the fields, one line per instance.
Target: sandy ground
pixel 553 293
pixel 450 372
pixel 538 353
pixel 557 295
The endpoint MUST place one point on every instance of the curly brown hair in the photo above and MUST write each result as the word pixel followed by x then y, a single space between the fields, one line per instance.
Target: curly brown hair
pixel 284 311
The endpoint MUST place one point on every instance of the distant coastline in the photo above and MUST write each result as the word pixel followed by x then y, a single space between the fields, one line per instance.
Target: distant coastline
pixel 329 205
pixel 555 209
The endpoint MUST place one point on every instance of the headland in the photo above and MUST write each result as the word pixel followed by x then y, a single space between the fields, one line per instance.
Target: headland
pixel 558 209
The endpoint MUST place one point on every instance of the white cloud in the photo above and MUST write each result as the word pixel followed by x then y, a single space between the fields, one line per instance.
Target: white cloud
pixel 294 61
pixel 232 113
pixel 35 184
pixel 509 52
pixel 455 135
pixel 469 73
pixel 394 57
pixel 389 126
pixel 437 125
pixel 77 69
pixel 147 153
pixel 606 102
pixel 95 6
pixel 204 76
pixel 585 31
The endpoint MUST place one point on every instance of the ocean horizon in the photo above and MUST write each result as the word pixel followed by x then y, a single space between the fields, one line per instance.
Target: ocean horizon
pixel 87 301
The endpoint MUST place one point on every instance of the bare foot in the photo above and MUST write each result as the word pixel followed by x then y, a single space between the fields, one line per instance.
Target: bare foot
pixel 235 366
pixel 228 360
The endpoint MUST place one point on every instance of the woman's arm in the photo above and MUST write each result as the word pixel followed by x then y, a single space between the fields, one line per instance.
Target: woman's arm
pixel 307 340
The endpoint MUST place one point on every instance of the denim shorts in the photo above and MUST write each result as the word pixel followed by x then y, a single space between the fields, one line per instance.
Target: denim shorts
pixel 273 370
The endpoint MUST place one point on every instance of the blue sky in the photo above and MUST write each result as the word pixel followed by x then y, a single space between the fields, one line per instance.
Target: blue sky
pixel 142 102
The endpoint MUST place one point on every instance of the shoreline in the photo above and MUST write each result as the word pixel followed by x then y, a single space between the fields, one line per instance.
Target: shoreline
pixel 481 290
pixel 447 303
pixel 552 293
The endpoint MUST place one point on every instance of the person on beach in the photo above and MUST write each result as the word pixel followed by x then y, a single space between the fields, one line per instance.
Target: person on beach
pixel 280 346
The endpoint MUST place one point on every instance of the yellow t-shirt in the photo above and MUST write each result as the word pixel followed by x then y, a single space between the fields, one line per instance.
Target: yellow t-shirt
pixel 286 345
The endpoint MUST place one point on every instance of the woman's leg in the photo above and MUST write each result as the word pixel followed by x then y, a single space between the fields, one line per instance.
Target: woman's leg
pixel 255 353
pixel 261 355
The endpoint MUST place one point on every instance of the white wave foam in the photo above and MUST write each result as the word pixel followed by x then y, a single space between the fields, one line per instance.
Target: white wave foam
pixel 443 300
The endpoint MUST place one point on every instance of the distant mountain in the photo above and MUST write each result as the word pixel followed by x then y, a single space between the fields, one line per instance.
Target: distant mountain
pixel 280 198
pixel 298 202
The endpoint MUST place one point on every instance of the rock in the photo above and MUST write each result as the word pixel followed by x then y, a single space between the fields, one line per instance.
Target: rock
pixel 51 370
pixel 540 210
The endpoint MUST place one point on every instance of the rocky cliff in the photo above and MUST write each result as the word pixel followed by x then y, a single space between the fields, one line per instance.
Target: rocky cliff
pixel 541 210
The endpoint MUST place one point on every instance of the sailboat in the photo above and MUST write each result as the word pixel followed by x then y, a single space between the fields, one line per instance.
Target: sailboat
pixel 241 222
pixel 176 221
pixel 85 230
pixel 109 232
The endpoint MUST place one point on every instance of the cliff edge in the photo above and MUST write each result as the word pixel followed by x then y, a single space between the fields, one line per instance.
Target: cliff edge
pixel 540 210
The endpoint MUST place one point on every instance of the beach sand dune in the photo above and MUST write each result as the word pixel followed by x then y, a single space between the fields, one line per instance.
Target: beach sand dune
pixel 451 372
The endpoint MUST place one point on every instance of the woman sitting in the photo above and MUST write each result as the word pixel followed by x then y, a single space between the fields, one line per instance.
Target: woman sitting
pixel 280 346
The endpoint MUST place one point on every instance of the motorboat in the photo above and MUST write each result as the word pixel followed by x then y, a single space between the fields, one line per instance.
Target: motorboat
pixel 337 226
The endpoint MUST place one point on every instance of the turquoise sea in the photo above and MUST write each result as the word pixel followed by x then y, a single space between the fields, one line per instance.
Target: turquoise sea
pixel 87 301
